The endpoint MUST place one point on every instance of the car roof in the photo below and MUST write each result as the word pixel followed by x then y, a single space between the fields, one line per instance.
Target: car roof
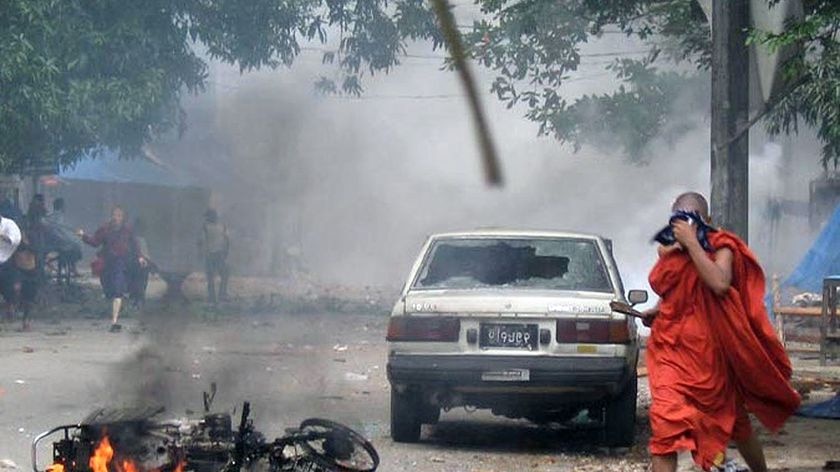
pixel 507 233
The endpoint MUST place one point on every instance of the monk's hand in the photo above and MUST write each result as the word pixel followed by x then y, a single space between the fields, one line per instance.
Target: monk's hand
pixel 686 234
pixel 648 316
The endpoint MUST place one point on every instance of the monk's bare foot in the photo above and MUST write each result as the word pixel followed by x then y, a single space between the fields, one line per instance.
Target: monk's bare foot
pixel 664 463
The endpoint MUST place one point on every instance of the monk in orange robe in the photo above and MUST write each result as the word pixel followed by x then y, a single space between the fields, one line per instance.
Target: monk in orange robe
pixel 713 356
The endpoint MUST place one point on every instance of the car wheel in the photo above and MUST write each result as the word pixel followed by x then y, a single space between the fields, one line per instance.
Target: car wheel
pixel 620 417
pixel 405 416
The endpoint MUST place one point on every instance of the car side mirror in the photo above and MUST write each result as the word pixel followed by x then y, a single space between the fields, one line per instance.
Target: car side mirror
pixel 636 297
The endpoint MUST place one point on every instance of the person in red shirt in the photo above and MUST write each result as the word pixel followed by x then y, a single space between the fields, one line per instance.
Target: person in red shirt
pixel 120 253
pixel 713 356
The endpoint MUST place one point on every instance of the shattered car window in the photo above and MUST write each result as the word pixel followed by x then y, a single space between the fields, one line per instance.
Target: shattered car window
pixel 554 264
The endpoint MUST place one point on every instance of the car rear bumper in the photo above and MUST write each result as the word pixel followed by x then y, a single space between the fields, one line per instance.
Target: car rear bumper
pixel 579 373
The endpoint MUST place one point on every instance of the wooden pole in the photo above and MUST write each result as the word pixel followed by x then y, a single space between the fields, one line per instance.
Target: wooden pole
pixel 730 112
pixel 777 302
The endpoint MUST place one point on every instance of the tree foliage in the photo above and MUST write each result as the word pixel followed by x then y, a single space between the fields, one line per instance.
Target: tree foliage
pixel 813 74
pixel 534 46
pixel 80 75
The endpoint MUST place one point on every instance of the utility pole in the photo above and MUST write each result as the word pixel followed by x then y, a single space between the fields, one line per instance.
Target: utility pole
pixel 730 110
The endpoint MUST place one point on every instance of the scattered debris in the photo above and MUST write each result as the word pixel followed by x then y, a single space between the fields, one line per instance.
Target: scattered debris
pixel 338 359
pixel 8 464
pixel 209 440
pixel 354 377
pixel 20 382
pixel 340 347
pixel 196 376
pixel 437 460
pixel 28 350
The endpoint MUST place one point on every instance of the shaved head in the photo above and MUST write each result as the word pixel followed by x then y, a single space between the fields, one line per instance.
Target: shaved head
pixel 692 202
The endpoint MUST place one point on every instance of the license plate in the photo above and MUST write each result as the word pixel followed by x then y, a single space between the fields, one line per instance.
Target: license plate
pixel 515 336
pixel 509 375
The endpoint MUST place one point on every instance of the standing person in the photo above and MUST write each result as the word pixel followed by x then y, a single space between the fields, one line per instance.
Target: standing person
pixel 10 238
pixel 61 239
pixel 712 356
pixel 36 230
pixel 120 253
pixel 214 243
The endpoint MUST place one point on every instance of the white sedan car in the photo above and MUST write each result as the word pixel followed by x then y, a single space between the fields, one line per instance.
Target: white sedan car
pixel 518 322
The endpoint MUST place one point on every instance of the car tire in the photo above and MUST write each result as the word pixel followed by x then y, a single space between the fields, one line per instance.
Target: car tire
pixel 405 416
pixel 620 416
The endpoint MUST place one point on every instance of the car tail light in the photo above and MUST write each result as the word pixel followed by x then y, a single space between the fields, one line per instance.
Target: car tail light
pixel 422 328
pixel 593 331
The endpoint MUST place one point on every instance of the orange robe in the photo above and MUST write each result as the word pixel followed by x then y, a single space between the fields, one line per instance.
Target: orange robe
pixel 711 359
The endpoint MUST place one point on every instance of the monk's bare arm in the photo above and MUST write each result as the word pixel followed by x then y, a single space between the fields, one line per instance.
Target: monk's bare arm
pixel 716 273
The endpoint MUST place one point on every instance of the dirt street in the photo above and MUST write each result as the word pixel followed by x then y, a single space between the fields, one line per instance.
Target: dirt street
pixel 292 367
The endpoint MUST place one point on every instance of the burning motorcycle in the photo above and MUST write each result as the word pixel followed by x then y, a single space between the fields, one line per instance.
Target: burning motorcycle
pixel 131 440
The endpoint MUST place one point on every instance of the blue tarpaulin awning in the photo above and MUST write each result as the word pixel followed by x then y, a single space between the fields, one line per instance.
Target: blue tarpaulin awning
pixel 822 259
pixel 108 167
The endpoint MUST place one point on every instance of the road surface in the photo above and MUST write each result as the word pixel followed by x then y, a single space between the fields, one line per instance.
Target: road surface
pixel 292 367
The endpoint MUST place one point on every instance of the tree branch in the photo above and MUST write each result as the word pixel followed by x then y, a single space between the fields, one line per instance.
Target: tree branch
pixel 767 108
pixel 451 35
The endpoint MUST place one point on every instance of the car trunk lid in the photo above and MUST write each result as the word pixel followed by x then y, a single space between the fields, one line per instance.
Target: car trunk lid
pixel 477 303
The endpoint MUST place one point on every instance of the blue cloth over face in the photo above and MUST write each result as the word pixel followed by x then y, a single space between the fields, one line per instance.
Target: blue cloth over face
pixel 665 236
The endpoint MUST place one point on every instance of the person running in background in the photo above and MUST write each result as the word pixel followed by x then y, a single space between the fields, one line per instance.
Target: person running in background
pixel 214 243
pixel 19 282
pixel 120 253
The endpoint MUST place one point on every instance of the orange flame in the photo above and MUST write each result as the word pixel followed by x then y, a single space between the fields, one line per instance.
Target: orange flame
pixel 126 465
pixel 57 467
pixel 102 456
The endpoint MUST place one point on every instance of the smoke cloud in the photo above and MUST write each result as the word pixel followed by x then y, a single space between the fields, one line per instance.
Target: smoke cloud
pixel 346 189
